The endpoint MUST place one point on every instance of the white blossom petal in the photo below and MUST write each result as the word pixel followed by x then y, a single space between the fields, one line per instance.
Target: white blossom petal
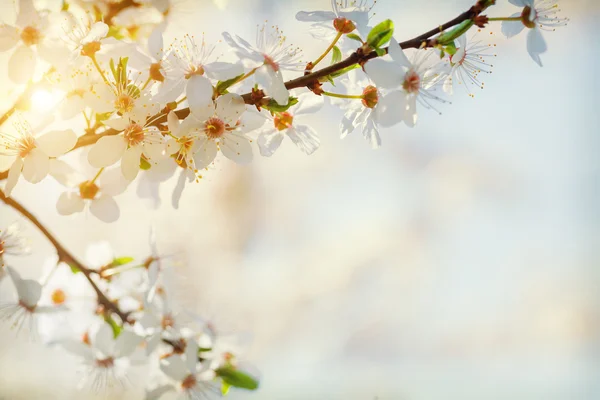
pixel 199 92
pixel 237 148
pixel 206 153
pixel 305 138
pixel 107 151
pixel 29 291
pixel 390 109
pixel 105 208
pixel 13 176
pixel 223 71
pixel 126 343
pixel 536 44
pixel 398 55
pixel 512 28
pixel 174 367
pixel 21 64
pixel 230 107
pixel 57 143
pixel 36 166
pixel 9 36
pixel 273 84
pixel 385 74
pixel 130 163
pixel 269 142
pixel 104 340
pixel 69 203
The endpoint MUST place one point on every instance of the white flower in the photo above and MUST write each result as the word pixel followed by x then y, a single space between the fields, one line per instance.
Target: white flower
pixel 537 15
pixel 188 66
pixel 364 115
pixel 11 244
pixel 193 379
pixel 106 360
pixel 218 127
pixel 30 154
pixel 29 34
pixel 283 124
pixel 412 83
pixel 97 193
pixel 25 311
pixel 356 11
pixel 137 138
pixel 466 65
pixel 269 57
pixel 75 83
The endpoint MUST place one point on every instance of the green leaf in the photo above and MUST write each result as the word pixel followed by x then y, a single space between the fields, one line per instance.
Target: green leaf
pixel 344 71
pixel 237 378
pixel 117 262
pixel 144 164
pixel 225 388
pixel 273 106
pixel 450 49
pixel 113 324
pixel 448 37
pixel 222 86
pixel 337 55
pixel 354 36
pixel 380 34
pixel 74 269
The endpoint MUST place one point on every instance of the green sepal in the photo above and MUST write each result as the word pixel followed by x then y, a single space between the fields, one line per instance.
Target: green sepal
pixel 117 262
pixel 222 86
pixel 273 106
pixel 236 378
pixel 225 388
pixel 354 36
pixel 450 36
pixel 380 34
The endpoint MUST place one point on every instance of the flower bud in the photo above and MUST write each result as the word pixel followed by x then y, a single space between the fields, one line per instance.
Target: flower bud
pixel 370 97
pixel 343 25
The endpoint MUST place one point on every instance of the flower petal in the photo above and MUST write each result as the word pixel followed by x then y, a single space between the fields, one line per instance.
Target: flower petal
pixel 199 93
pixel 13 176
pixel 237 148
pixel 397 54
pixel 155 44
pixel 385 74
pixel 173 123
pixel 206 153
pixel 69 203
pixel 305 138
pixel 9 36
pixel 107 151
pixel 512 28
pixel 130 163
pixel 21 64
pixel 390 109
pixel 57 143
pixel 315 16
pixel 36 166
pixel 269 142
pixel 230 108
pixel 223 71
pixel 127 343
pixel 29 291
pixel 104 340
pixel 272 82
pixel 536 45
pixel 174 367
pixel 105 208
pixel 27 15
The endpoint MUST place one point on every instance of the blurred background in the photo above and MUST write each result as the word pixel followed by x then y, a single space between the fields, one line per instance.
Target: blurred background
pixel 459 261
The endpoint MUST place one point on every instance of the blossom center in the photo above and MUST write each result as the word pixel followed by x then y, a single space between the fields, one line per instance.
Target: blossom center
pixel 412 82
pixel 58 297
pixel 124 103
pixel 167 321
pixel 25 145
pixel 271 63
pixel 106 363
pixel 88 190
pixel 189 382
pixel 215 128
pixel 283 121
pixel 30 309
pixel 31 36
pixel 526 17
pixel 134 134
pixel 90 49
pixel 194 70
pixel 155 73
pixel 370 97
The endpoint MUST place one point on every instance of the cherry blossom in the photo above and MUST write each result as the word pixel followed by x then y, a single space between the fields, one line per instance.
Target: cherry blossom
pixel 12 243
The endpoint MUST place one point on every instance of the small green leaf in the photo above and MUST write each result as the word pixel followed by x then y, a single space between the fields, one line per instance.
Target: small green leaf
pixel 380 34
pixel 381 52
pixel 450 49
pixel 144 164
pixel 273 106
pixel 113 324
pixel 222 86
pixel 117 262
pixel 448 37
pixel 337 55
pixel 74 269
pixel 237 378
pixel 225 388
pixel 354 36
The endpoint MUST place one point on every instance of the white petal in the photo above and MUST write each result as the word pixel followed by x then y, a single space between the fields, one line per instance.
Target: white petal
pixel 118 124
pixel 410 115
pixel 237 148
pixel 98 31
pixel 130 163
pixel 27 15
pixel 107 151
pixel 36 166
pixel 305 138
pixel 57 143
pixel 206 153
pixel 21 64
pixel 54 53
pixel 315 16
pixel 191 355
pixel 230 108
pixel 9 36
pixel 398 55
pixel 173 123
pixel 29 291
pixel 223 71
pixel 512 28
pixel 102 100
pixel 371 133
pixel 69 203
pixel 155 44
pixel 536 44
pixel 112 182
pixel 13 176
pixel 6 162
pixel 105 208
pixel 174 367
pixel 77 347
pixel 126 343
pixel 269 142
pixel 104 340
pixel 272 82
pixel 390 109
pixel 178 190
pixel 521 3
pixel 385 74
pixel 308 103
pixel 199 93
pixel 70 107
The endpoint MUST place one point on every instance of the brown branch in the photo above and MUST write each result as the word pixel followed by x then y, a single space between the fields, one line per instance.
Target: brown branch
pixel 65 256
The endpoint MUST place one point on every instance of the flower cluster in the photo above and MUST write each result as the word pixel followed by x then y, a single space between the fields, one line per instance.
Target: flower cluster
pixel 145 111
